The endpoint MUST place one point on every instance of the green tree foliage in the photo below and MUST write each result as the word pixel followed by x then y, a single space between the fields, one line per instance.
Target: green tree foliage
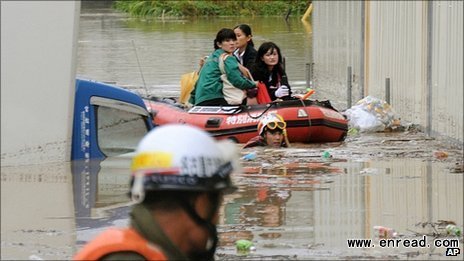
pixel 189 8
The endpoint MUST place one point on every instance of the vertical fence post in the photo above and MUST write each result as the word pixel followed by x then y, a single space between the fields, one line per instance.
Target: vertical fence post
pixel 349 87
pixel 363 48
pixel 309 70
pixel 430 61
pixel 387 90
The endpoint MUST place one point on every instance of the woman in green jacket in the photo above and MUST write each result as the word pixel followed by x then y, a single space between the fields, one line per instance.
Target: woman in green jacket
pixel 208 88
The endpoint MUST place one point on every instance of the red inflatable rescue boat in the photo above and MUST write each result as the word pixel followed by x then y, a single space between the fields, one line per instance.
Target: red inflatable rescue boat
pixel 308 121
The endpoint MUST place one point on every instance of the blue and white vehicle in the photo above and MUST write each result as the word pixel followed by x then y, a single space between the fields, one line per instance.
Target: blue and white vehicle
pixel 108 120
pixel 108 124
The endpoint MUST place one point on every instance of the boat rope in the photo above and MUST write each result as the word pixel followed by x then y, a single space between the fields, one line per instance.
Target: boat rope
pixel 268 106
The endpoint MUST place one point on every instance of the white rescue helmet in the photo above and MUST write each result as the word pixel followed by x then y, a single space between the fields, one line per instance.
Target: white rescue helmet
pixel 271 121
pixel 180 157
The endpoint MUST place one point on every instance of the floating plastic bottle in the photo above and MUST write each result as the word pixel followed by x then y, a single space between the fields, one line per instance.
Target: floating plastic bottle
pixel 440 154
pixel 453 230
pixel 250 156
pixel 244 246
pixel 385 232
pixel 326 155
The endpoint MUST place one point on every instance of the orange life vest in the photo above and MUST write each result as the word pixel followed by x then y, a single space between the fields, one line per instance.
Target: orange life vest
pixel 119 240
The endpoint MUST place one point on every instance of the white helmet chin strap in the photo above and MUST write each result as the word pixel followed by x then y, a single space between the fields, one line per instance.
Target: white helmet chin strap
pixel 209 243
pixel 137 190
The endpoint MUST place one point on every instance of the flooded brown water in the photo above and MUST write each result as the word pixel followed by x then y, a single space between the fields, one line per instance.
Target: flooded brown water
pixel 295 204
pixel 291 204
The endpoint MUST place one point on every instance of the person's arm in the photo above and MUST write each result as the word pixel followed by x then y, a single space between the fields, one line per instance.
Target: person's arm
pixel 234 75
pixel 245 72
pixel 284 91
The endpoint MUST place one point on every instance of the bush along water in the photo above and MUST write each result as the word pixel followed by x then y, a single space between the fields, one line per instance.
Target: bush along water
pixel 186 8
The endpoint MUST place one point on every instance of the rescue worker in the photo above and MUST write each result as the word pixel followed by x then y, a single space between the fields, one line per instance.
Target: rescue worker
pixel 271 132
pixel 179 176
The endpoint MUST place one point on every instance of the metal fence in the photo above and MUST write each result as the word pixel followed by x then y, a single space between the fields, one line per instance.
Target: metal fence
pixel 407 52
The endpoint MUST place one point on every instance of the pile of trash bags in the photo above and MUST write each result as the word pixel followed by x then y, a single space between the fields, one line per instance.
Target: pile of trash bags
pixel 372 115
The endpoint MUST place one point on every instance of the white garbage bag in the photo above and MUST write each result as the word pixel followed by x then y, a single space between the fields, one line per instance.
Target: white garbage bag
pixel 371 115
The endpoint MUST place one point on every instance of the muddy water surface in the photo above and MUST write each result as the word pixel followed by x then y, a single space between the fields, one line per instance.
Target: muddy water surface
pixel 291 203
pixel 295 204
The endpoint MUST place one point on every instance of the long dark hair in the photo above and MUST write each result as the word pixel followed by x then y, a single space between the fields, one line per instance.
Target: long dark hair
pixel 260 69
pixel 223 35
pixel 246 29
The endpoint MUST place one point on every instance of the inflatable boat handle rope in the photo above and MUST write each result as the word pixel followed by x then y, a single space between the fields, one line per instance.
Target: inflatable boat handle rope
pixel 269 105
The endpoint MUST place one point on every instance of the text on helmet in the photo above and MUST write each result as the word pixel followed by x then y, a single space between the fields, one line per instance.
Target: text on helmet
pixel 200 166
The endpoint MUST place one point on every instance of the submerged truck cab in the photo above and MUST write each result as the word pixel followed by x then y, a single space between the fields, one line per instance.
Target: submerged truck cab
pixel 108 124
pixel 108 120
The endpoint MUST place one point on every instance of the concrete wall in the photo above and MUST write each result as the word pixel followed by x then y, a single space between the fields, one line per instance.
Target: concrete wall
pixel 418 45
pixel 38 65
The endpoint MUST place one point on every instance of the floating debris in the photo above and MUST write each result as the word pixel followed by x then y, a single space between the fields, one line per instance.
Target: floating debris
pixel 441 228
pixel 250 156
pixel 244 246
pixel 385 232
pixel 453 230
pixel 371 114
pixel 440 154
pixel 326 155
pixel 458 168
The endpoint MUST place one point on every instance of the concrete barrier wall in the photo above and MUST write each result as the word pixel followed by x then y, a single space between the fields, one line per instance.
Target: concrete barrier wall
pixel 418 45
pixel 38 67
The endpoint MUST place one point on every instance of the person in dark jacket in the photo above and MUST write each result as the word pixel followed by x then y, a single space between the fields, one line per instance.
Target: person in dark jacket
pixel 245 52
pixel 268 68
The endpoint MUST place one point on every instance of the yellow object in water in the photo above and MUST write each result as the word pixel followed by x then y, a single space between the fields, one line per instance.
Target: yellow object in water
pixel 307 13
pixel 187 83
